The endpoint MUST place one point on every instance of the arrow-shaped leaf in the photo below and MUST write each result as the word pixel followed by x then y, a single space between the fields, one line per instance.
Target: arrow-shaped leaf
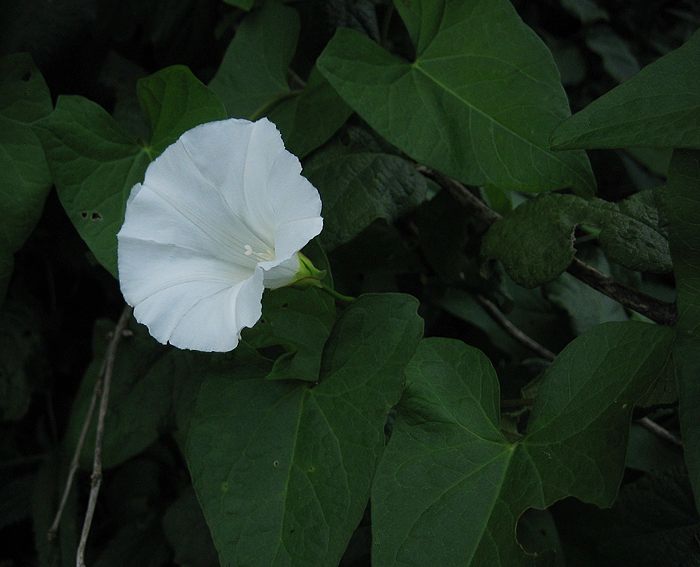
pixel 450 487
pixel 283 469
pixel 479 102
pixel 658 107
pixel 95 163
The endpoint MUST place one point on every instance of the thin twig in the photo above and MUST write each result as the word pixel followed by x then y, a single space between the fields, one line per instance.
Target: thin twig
pixel 96 477
pixel 537 348
pixel 75 460
pixel 505 324
pixel 658 311
pixel 659 431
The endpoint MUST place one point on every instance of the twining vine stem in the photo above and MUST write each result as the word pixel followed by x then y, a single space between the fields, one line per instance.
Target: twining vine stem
pixel 658 311
pixel 508 326
pixel 102 391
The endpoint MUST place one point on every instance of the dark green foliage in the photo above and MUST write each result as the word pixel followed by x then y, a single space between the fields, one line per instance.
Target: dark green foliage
pixel 460 106
pixel 682 202
pixel 24 175
pixel 290 487
pixel 447 453
pixel 658 108
pixel 536 241
pixel 413 425
pixel 95 163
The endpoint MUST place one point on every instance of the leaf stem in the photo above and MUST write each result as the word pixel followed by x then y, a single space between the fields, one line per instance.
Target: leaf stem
pixel 295 78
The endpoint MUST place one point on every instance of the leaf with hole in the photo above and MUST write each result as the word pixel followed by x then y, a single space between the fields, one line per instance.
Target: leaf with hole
pixel 450 487
pixel 95 163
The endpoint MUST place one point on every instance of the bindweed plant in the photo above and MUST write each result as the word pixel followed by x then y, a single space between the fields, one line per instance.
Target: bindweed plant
pixel 346 282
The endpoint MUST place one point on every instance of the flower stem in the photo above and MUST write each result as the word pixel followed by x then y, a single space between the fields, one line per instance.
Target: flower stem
pixel 336 295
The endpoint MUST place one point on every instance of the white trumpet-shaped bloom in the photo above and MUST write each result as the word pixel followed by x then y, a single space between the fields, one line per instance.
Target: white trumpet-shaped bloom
pixel 221 214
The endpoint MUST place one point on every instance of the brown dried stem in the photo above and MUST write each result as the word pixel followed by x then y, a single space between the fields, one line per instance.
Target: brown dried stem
pixel 96 477
pixel 53 530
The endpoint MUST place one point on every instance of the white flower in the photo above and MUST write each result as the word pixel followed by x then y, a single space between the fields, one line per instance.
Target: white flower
pixel 221 214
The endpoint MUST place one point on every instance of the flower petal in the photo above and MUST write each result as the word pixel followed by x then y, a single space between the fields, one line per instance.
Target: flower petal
pixel 188 299
pixel 176 205
pixel 220 214
pixel 279 274
pixel 235 156
pixel 261 178
pixel 294 235
pixel 208 326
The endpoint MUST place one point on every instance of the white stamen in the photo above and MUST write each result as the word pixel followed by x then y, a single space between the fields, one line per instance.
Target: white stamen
pixel 260 256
